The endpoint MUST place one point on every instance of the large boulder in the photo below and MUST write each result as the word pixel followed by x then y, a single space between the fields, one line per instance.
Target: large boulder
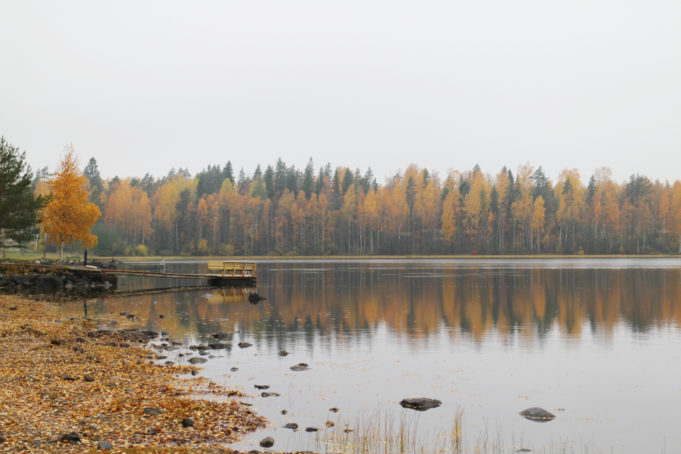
pixel 21 279
pixel 537 414
pixel 420 403
pixel 48 283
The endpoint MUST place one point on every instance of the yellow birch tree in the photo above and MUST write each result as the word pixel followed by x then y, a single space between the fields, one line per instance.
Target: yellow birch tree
pixel 69 216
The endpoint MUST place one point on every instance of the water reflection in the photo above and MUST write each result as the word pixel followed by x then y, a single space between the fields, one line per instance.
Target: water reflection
pixel 331 300
pixel 600 340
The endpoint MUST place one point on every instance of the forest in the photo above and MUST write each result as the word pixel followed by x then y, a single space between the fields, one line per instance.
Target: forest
pixel 288 211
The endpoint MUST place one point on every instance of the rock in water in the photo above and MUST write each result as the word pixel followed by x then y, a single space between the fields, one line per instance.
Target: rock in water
pixel 219 345
pixel 537 414
pixel 254 298
pixel 245 344
pixel 267 442
pixel 299 367
pixel 291 425
pixel 420 403
pixel 197 360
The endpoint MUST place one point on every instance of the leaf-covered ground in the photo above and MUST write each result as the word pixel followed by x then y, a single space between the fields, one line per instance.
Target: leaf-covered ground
pixel 60 377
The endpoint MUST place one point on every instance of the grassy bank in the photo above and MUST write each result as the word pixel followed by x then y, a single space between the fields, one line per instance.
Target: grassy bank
pixel 67 386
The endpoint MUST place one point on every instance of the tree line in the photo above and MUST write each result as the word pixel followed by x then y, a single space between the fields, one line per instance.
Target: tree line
pixel 283 210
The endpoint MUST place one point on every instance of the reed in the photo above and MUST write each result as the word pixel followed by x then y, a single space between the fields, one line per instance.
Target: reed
pixel 383 433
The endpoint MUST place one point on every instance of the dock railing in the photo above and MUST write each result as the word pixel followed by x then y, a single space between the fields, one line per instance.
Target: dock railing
pixel 231 268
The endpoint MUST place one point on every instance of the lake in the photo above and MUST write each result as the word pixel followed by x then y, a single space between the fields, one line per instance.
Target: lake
pixel 595 341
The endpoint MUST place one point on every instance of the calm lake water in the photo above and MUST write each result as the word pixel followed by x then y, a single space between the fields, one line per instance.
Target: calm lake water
pixel 597 342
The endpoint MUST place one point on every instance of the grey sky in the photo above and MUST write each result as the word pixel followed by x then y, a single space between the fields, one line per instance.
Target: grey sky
pixel 145 86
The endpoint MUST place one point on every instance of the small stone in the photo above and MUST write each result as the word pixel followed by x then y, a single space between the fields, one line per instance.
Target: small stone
pixel 234 369
pixel 152 431
pixel 245 344
pixel 270 394
pixel 151 411
pixel 311 429
pixel 68 378
pixel 333 409
pixel 104 445
pixel 299 367
pixel 88 378
pixel 73 437
pixel 329 424
pixel 187 422
pixel 267 442
pixel 283 353
pixel 262 386
pixel 291 425
pixel 197 360
pixel 283 412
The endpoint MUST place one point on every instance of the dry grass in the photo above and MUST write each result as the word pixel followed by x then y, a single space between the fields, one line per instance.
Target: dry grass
pixel 383 434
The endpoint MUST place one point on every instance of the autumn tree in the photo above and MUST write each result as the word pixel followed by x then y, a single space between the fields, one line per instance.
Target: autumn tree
pixel 450 207
pixel 68 217
pixel 280 209
pixel 538 220
pixel 18 205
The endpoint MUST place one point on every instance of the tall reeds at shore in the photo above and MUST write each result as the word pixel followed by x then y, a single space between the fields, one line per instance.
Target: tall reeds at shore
pixel 383 433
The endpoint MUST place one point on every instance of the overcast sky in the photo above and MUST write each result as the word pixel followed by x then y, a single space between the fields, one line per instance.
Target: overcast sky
pixel 145 86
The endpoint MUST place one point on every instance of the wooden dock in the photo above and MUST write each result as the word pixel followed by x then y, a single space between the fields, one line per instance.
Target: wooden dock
pixel 224 273
pixel 217 280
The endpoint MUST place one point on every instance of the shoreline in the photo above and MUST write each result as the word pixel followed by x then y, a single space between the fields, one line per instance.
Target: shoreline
pixel 74 385
pixel 136 258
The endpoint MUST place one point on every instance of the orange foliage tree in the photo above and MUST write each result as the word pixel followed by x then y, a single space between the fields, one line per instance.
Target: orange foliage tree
pixel 69 216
